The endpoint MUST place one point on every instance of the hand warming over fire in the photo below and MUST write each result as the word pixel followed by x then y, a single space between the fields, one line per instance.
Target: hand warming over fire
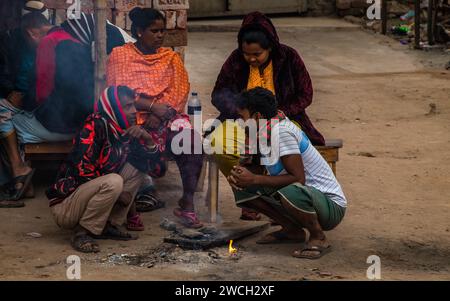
pixel 160 110
pixel 153 122
pixel 137 132
pixel 241 178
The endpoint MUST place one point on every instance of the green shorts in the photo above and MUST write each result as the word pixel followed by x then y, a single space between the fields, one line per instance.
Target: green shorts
pixel 304 198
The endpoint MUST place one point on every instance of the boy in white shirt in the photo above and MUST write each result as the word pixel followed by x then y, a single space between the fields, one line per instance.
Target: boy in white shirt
pixel 298 189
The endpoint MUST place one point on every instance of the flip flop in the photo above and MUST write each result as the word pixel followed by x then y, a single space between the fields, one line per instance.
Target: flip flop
pixel 188 218
pixel 322 251
pixel 277 237
pixel 147 202
pixel 25 180
pixel 114 233
pixel 81 241
pixel 135 223
pixel 11 204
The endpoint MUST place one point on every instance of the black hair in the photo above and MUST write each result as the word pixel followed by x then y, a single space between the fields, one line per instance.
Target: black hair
pixel 258 100
pixel 33 20
pixel 124 91
pixel 257 36
pixel 143 18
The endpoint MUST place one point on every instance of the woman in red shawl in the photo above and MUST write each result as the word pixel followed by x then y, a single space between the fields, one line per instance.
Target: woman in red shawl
pixel 262 61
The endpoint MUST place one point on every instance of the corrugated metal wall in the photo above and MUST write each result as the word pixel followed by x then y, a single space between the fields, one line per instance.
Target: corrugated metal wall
pixel 10 11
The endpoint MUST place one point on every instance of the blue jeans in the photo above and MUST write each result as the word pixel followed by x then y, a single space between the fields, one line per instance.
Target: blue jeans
pixel 28 130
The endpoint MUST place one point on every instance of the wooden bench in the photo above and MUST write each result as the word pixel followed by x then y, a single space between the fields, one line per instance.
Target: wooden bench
pixel 55 151
pixel 52 151
pixel 330 152
pixel 48 151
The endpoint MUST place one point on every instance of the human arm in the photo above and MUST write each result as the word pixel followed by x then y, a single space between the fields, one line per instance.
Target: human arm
pixel 303 87
pixel 81 165
pixel 241 177
pixel 144 154
pixel 140 134
pixel 226 89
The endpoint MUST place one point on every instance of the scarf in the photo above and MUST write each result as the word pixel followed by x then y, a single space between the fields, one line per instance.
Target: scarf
pixel 265 80
pixel 83 28
pixel 161 76
pixel 110 107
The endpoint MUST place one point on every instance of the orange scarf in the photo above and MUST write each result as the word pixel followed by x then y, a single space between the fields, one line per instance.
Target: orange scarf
pixel 161 75
pixel 265 80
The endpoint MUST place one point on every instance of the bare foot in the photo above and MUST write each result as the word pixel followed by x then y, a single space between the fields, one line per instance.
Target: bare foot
pixel 21 171
pixel 284 236
pixel 185 205
pixel 294 234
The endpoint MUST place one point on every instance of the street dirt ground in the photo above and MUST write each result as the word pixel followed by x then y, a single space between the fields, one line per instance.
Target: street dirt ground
pixel 370 91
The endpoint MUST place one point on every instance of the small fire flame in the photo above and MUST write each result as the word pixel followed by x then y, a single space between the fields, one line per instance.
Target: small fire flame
pixel 231 250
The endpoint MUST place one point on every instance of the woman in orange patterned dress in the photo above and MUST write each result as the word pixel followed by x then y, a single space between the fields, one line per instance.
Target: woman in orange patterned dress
pixel 158 75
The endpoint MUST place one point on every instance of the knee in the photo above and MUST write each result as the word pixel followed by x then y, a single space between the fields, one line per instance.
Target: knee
pixel 114 183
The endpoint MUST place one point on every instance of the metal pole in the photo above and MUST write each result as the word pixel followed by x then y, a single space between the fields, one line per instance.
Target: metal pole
pixel 417 24
pixel 100 46
pixel 384 16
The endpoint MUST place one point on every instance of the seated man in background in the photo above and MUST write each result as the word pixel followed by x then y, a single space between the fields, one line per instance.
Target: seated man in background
pixel 97 185
pixel 19 123
pixel 17 57
pixel 64 91
pixel 17 73
pixel 299 190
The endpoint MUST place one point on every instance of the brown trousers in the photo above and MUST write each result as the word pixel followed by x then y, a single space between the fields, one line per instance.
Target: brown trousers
pixel 93 204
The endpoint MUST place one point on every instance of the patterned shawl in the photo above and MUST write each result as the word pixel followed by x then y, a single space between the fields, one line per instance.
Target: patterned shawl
pixel 161 76
pixel 110 107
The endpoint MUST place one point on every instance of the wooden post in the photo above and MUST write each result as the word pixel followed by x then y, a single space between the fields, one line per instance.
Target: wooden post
pixel 417 24
pixel 434 19
pixel 213 190
pixel 430 29
pixel 100 46
pixel 384 16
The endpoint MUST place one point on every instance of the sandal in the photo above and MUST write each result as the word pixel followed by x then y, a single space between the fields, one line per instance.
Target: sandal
pixel 25 180
pixel 84 243
pixel 146 202
pixel 278 237
pixel 188 218
pixel 321 249
pixel 11 204
pixel 250 215
pixel 135 223
pixel 114 233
